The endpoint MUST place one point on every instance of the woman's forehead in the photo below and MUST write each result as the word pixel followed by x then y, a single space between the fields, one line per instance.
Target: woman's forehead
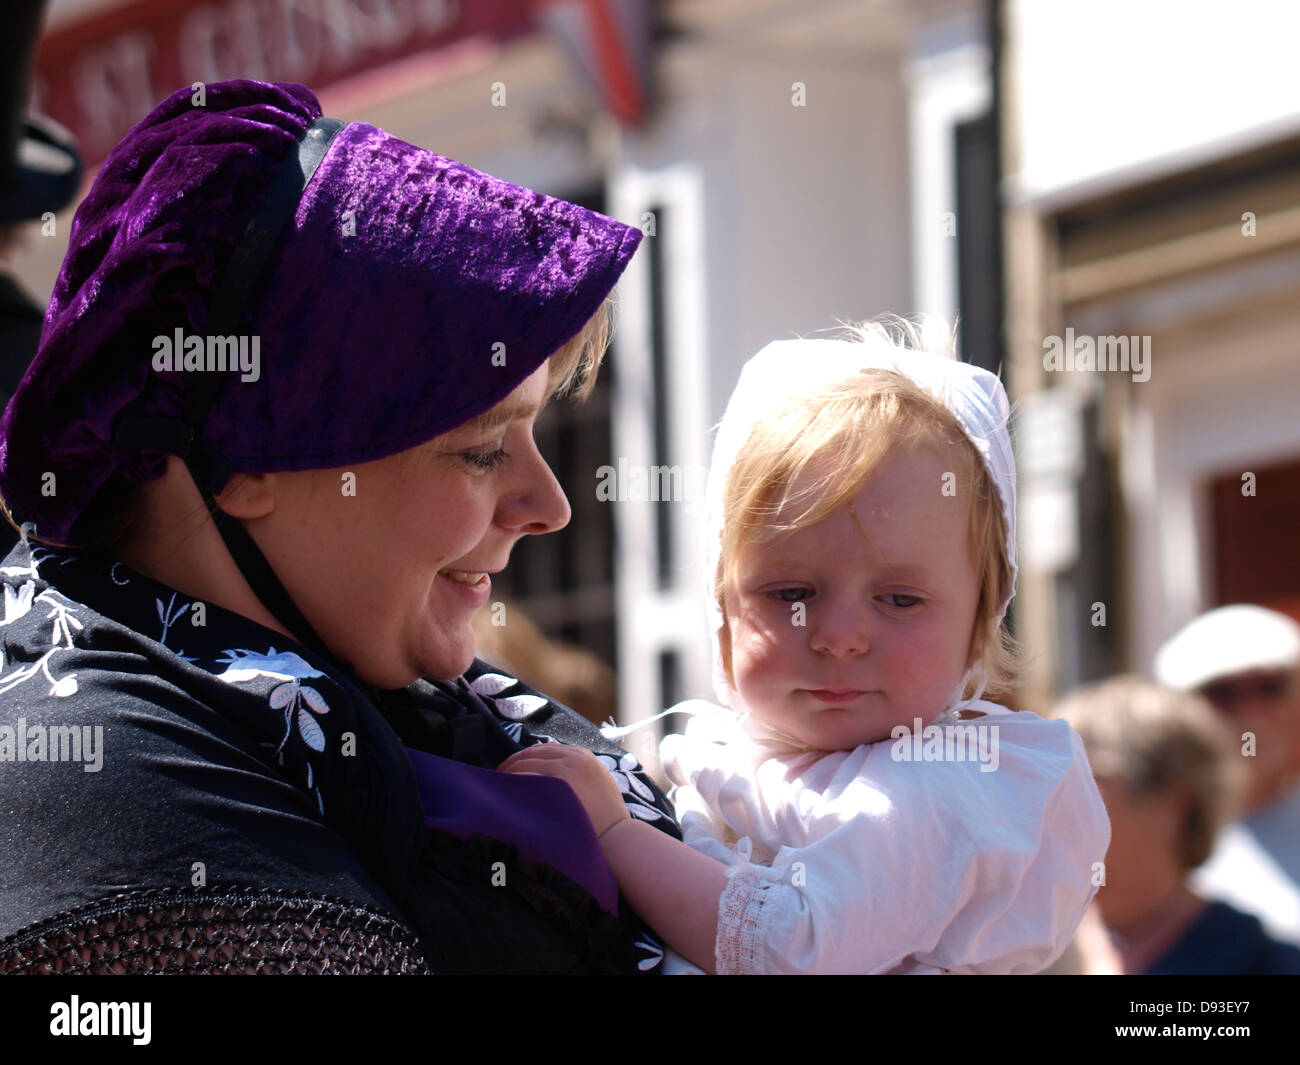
pixel 524 403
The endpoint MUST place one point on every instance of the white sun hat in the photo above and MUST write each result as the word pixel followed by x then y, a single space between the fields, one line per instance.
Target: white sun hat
pixel 1227 641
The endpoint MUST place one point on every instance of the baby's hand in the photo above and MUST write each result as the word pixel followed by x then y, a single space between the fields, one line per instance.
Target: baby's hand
pixel 581 770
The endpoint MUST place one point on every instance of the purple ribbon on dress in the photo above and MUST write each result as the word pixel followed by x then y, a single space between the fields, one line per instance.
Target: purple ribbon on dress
pixel 541 816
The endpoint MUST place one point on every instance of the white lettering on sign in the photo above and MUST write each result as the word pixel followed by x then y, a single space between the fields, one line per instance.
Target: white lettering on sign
pixel 302 39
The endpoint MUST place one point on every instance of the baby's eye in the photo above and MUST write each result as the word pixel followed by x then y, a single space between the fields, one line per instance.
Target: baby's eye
pixel 903 602
pixel 791 595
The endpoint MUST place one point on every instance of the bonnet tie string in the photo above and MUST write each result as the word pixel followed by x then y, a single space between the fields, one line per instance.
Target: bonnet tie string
pixel 184 436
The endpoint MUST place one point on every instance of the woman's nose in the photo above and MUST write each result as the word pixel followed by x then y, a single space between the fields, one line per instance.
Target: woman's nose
pixel 538 503
pixel 841 629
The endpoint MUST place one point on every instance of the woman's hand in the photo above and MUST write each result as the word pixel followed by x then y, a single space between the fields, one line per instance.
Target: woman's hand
pixel 582 771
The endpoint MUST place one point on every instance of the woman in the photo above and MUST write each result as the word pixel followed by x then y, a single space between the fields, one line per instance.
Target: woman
pixel 278 435
pixel 1170 776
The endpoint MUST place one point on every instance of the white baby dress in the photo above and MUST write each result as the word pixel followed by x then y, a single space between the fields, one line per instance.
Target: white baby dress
pixel 862 862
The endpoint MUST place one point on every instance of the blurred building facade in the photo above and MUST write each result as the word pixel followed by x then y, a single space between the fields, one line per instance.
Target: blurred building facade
pixel 1124 173
pixel 794 163
pixel 1152 194
pixel 804 169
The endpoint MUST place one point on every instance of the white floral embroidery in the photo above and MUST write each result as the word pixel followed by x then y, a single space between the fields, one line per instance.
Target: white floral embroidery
pixel 23 571
pixel 169 615
pixel 514 707
pixel 298 701
pixel 654 952
pixel 294 697
pixel 637 796
pixel 18 603
pixel 280 665
pixel 623 770
pixel 64 622
pixel 64 619
pixel 519 707
pixel 490 684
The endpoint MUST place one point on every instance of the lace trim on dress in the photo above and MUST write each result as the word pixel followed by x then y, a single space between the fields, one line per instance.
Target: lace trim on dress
pixel 741 931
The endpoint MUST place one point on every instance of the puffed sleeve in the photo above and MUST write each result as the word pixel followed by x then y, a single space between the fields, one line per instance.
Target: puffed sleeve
pixel 709 772
pixel 928 866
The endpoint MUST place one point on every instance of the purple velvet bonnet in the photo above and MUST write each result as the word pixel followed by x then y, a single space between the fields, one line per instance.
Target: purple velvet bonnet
pixel 407 294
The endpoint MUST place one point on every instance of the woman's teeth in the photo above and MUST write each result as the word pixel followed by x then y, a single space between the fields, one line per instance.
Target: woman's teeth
pixel 463 577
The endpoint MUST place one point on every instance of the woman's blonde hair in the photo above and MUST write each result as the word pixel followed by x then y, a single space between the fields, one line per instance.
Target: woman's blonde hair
pixel 830 443
pixel 572 370
pixel 1155 740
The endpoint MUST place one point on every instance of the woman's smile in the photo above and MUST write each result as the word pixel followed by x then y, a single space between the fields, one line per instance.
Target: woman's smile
pixel 473 588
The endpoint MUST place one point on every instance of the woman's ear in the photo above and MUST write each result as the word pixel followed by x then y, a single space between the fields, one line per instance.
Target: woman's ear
pixel 248 495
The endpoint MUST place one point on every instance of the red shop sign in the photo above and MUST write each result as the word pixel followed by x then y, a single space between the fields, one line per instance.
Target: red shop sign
pixel 102 74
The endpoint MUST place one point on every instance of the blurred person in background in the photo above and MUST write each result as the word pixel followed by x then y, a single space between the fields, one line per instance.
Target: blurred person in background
pixel 1170 776
pixel 1245 661
pixel 39 174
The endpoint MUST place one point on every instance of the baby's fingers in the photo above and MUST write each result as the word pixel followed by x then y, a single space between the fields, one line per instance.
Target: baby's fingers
pixel 532 763
pixel 546 754
pixel 515 763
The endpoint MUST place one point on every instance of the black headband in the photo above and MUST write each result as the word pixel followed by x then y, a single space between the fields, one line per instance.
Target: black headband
pixel 184 437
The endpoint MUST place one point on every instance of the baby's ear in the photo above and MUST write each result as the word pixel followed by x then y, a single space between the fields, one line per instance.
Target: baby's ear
pixel 724 648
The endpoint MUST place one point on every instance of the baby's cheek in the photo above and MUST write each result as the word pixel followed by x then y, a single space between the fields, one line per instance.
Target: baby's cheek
pixel 760 635
pixel 935 662
pixel 760 656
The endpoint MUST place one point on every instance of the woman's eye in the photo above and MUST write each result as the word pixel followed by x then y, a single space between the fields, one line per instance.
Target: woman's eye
pixel 485 460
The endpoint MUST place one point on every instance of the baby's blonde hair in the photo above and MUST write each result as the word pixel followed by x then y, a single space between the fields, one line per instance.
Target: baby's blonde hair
pixel 831 442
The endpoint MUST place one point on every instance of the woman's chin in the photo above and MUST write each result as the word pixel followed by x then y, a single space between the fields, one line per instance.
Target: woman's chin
pixel 444 663
pixel 450 659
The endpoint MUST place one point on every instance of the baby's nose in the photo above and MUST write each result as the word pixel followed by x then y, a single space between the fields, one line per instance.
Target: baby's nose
pixel 841 631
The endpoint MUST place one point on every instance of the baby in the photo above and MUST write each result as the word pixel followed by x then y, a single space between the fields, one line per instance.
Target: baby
pixel 861 510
